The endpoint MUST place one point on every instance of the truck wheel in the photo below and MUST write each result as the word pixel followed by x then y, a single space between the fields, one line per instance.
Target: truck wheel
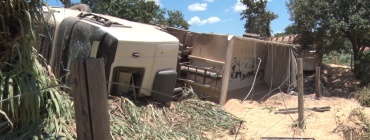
pixel 81 7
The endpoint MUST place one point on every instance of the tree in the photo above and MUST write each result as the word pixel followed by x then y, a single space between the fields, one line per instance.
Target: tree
pixel 280 34
pixel 327 24
pixel 289 30
pixel 176 19
pixel 90 3
pixel 133 10
pixel 258 19
pixel 66 3
pixel 143 11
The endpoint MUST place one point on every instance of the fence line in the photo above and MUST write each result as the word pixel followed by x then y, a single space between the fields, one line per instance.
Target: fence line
pixel 66 85
pixel 281 119
pixel 279 87
pixel 32 92
pixel 128 85
pixel 241 122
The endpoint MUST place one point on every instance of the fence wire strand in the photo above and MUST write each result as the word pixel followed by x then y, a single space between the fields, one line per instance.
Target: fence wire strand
pixel 271 91
pixel 33 92
pixel 66 85
pixel 127 85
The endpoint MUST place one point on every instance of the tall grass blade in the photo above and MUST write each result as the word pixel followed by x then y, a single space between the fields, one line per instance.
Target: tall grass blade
pixel 7 118
pixel 35 115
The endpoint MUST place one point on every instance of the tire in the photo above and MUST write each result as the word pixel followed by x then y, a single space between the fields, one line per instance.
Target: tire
pixel 81 7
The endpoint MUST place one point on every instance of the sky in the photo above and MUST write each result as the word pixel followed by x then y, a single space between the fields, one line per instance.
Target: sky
pixel 217 16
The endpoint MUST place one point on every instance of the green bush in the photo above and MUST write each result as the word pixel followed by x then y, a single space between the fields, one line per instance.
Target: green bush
pixel 344 58
pixel 364 66
pixel 363 96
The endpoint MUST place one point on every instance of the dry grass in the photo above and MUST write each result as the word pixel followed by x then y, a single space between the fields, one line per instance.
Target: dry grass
pixel 187 119
pixel 346 117
pixel 356 127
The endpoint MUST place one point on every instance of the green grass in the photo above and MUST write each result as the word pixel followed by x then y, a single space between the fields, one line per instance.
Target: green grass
pixel 337 58
pixel 45 113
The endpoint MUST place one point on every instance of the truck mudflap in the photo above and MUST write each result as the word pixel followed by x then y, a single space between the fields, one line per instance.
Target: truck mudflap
pixel 164 85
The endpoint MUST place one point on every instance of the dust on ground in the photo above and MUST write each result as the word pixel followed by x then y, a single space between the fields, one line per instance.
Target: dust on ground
pixel 260 120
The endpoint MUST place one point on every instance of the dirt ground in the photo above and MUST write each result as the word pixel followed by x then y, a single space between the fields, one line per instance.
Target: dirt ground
pixel 338 86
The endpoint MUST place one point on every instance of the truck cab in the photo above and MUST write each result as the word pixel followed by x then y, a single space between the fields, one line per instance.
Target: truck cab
pixel 135 54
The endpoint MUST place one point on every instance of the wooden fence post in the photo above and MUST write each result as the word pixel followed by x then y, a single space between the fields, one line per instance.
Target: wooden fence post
pixel 90 99
pixel 301 123
pixel 318 93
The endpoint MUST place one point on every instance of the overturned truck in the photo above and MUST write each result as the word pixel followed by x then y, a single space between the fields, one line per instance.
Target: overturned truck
pixel 163 58
pixel 217 66
pixel 309 55
pixel 135 54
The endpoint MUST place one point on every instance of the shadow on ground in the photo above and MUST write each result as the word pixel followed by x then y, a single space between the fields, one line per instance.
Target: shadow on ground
pixel 336 81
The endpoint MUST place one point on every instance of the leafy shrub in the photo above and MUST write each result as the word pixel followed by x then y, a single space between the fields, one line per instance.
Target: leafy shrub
pixel 344 58
pixel 365 68
pixel 363 96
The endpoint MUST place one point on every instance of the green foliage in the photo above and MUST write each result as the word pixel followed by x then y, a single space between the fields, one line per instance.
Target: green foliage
pixel 270 108
pixel 176 19
pixel 143 11
pixel 365 68
pixel 363 96
pixel 337 58
pixel 289 30
pixel 90 3
pixel 25 109
pixel 280 34
pixel 66 3
pixel 133 10
pixel 329 24
pixel 258 19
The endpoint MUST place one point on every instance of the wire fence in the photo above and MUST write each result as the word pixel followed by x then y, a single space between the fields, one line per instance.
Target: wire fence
pixel 39 91
pixel 174 97
pixel 67 85
pixel 271 91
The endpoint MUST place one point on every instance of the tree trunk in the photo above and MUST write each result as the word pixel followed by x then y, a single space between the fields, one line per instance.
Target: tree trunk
pixel 356 57
pixel 66 3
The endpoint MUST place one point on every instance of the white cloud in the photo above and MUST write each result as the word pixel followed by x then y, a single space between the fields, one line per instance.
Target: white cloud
pixel 210 1
pixel 197 7
pixel 227 20
pixel 213 20
pixel 239 7
pixel 197 21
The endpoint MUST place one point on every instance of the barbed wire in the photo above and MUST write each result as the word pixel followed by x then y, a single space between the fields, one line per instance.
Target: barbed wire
pixel 151 90
pixel 236 134
pixel 65 85
pixel 279 87
pixel 32 92
pixel 281 119
pixel 325 89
